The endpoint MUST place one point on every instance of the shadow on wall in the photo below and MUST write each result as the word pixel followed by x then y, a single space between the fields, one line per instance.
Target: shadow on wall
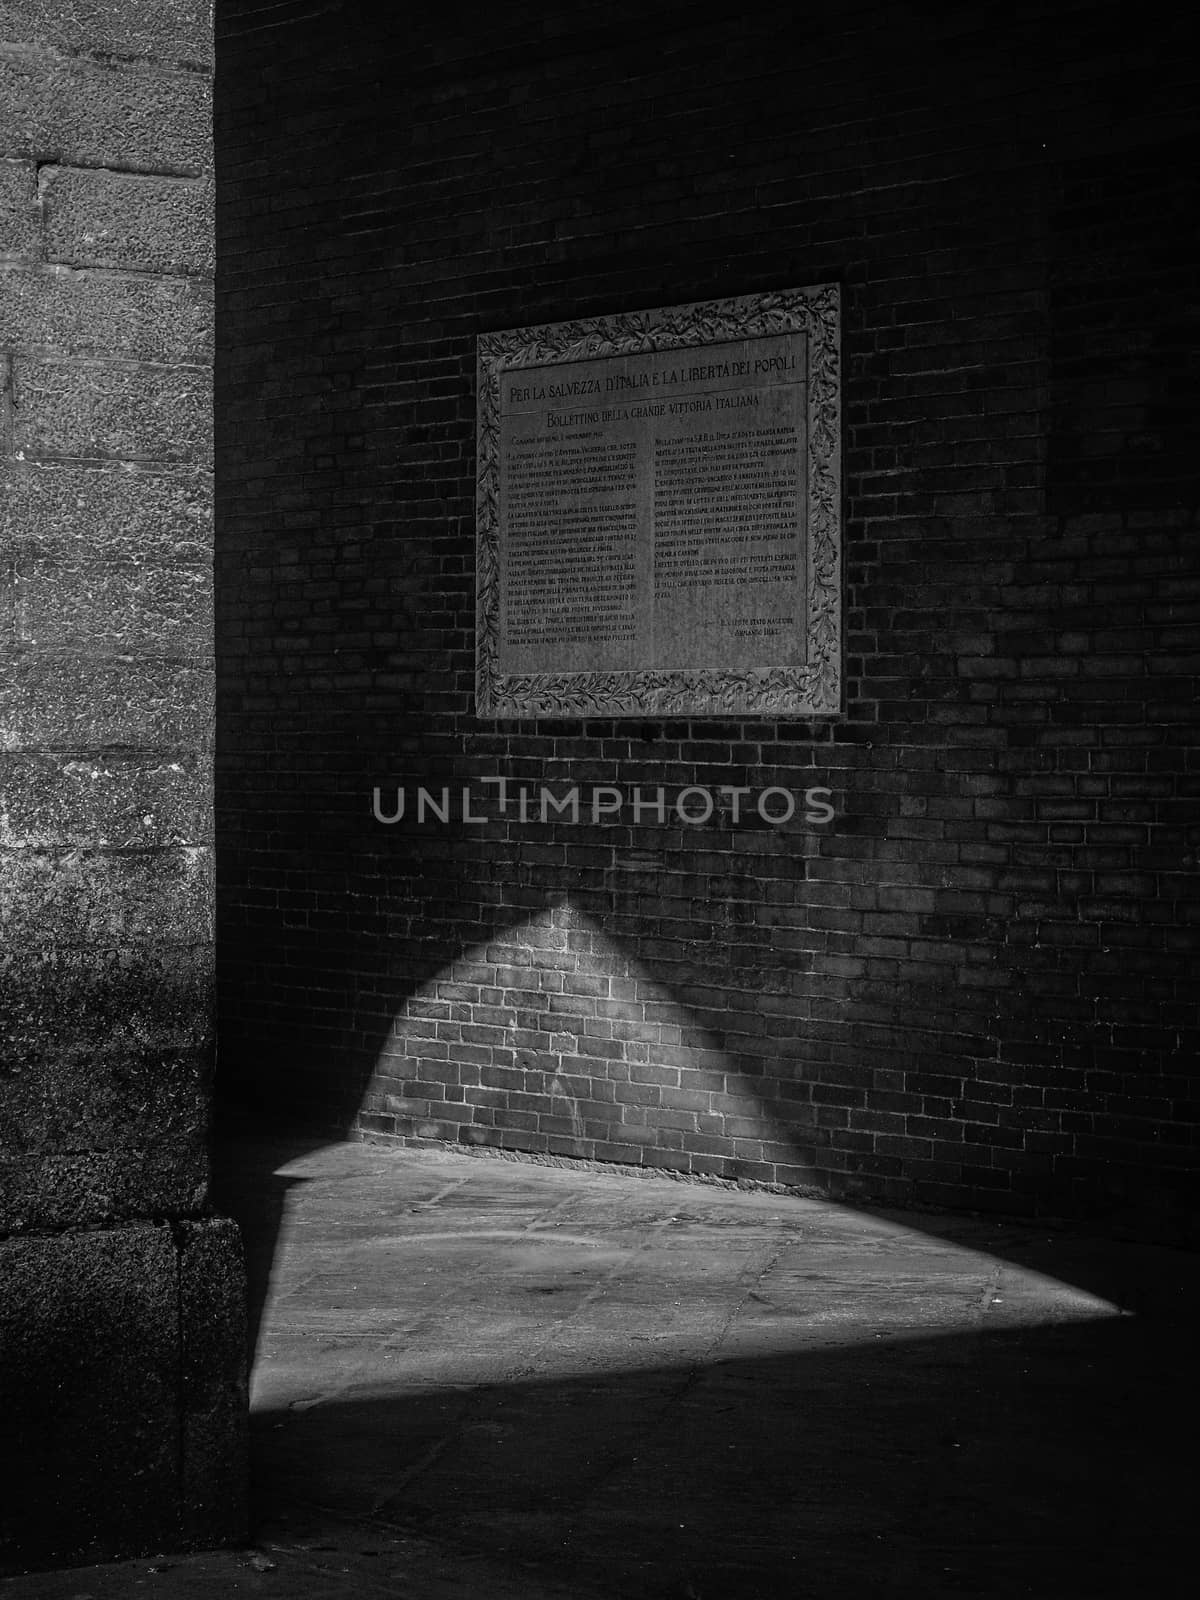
pixel 734 1000
pixel 510 992
pixel 1041 1462
pixel 527 994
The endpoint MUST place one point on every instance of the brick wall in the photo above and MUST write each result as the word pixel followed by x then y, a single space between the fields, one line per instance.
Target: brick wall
pixel 121 1296
pixel 976 985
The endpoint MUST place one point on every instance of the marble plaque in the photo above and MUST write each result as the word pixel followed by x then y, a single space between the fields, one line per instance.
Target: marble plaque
pixel 659 512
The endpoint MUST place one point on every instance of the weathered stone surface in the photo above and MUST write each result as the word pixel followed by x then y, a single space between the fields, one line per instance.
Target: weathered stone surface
pixel 119 219
pixel 20 225
pixel 83 1188
pixel 144 413
pixel 122 1381
pixel 104 1097
pixel 163 30
pixel 73 701
pixel 136 998
pixel 61 311
pixel 135 118
pixel 212 1302
pixel 122 801
pixel 57 898
pixel 123 1391
pixel 81 515
pixel 89 1392
pixel 104 1050
pixel 163 611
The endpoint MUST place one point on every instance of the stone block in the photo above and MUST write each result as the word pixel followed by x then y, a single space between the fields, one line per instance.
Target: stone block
pixel 107 1049
pixel 122 999
pixel 119 219
pixel 86 1188
pixel 143 413
pixel 133 118
pixel 164 611
pixel 89 1391
pixel 104 1096
pixel 124 801
pixel 60 311
pixel 81 516
pixel 178 31
pixel 135 998
pixel 123 1392
pixel 70 700
pixel 20 223
pixel 55 898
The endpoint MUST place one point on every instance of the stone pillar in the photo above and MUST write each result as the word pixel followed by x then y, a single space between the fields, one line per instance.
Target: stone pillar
pixel 121 1296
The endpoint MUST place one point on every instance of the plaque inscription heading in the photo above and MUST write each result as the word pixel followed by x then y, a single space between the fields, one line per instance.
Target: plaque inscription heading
pixel 659 512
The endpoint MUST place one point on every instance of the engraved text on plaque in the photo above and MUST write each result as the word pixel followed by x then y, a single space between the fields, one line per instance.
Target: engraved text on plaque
pixel 647 537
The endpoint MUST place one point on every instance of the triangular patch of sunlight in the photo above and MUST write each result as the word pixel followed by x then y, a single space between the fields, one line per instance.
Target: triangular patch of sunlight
pixel 462 1272
pixel 438 1272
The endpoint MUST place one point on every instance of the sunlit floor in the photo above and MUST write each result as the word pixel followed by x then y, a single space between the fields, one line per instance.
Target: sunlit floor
pixel 476 1377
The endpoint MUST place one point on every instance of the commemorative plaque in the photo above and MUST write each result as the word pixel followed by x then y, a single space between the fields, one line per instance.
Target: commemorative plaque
pixel 659 512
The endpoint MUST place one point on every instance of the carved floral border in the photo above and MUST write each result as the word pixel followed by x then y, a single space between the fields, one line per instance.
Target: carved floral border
pixel 814 689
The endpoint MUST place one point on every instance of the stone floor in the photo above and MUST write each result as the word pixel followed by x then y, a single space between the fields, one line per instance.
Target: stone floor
pixel 482 1378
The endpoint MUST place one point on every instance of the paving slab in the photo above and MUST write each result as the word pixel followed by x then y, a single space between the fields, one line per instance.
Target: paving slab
pixel 479 1377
